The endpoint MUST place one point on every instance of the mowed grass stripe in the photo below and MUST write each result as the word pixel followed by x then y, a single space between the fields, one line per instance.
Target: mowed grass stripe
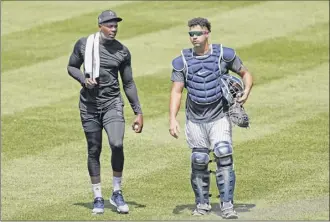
pixel 48 156
pixel 45 121
pixel 317 34
pixel 144 186
pixel 59 164
pixel 271 107
pixel 254 172
pixel 283 119
pixel 276 62
pixel 58 116
pixel 319 216
pixel 264 115
pixel 283 56
pixel 49 41
pixel 34 13
pixel 277 13
pixel 66 111
pixel 310 209
pixel 15 87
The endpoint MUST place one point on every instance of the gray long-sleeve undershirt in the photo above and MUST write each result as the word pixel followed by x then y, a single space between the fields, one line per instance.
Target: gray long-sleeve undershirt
pixel 114 58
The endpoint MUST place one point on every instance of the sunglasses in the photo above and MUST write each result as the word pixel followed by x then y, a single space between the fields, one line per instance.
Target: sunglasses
pixel 197 33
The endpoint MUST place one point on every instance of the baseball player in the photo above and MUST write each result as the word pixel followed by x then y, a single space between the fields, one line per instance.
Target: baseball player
pixel 208 126
pixel 101 104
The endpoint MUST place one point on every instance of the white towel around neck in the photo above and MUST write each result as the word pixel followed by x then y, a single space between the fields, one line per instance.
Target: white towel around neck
pixel 92 56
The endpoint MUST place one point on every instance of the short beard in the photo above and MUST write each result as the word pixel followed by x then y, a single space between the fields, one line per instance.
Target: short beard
pixel 104 37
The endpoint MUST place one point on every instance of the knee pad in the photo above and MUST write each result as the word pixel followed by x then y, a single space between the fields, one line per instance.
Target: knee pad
pixel 116 145
pixel 200 176
pixel 94 143
pixel 117 157
pixel 94 146
pixel 200 159
pixel 223 152
pixel 93 161
pixel 94 151
pixel 225 174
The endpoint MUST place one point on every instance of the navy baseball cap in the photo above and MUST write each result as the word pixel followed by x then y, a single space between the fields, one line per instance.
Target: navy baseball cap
pixel 107 16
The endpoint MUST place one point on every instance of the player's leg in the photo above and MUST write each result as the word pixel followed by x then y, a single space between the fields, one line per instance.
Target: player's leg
pixel 93 133
pixel 221 140
pixel 200 176
pixel 114 125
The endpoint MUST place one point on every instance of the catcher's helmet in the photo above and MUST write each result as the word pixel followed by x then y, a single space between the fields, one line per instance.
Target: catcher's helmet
pixel 232 87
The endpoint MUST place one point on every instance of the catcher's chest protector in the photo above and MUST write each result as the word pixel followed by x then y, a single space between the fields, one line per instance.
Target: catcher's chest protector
pixel 202 75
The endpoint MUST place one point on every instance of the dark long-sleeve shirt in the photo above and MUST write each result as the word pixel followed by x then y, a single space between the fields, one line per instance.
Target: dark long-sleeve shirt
pixel 114 58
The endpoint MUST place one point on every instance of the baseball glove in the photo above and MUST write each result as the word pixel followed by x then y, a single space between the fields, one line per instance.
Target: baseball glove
pixel 238 116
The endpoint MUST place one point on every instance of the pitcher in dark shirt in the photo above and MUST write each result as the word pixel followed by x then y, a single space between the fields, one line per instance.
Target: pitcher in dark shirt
pixel 101 105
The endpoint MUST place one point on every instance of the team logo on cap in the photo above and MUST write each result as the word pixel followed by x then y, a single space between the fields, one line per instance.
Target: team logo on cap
pixel 111 13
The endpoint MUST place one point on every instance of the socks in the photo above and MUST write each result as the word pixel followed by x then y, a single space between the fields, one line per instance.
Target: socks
pixel 97 190
pixel 97 187
pixel 116 182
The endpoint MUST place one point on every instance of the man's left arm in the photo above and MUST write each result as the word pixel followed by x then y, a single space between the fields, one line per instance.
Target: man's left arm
pixel 237 66
pixel 130 89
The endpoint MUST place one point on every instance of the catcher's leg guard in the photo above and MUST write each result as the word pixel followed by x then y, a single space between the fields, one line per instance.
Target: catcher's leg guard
pixel 200 176
pixel 225 174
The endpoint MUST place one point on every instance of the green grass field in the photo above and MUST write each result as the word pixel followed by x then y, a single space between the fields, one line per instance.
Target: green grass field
pixel 282 161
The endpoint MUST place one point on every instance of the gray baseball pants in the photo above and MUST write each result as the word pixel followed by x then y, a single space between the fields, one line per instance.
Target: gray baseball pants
pixel 206 135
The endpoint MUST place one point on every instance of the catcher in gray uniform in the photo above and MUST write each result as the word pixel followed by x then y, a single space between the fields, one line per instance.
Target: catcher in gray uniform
pixel 101 104
pixel 211 93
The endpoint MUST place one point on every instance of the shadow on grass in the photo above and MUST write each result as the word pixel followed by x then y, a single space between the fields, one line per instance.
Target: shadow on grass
pixel 239 207
pixel 107 204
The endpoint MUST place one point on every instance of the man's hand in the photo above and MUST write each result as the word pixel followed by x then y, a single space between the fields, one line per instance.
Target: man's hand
pixel 137 125
pixel 248 82
pixel 174 128
pixel 242 99
pixel 90 83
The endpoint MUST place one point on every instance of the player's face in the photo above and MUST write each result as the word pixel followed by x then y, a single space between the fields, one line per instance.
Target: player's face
pixel 109 29
pixel 198 35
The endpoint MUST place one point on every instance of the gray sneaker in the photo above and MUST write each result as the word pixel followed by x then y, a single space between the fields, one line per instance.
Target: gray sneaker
pixel 228 212
pixel 118 201
pixel 201 209
pixel 98 207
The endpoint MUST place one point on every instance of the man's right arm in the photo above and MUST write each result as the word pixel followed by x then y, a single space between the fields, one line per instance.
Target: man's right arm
pixel 75 62
pixel 177 86
pixel 175 100
pixel 176 94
